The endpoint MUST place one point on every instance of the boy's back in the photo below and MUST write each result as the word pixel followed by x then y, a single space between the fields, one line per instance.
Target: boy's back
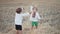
pixel 19 18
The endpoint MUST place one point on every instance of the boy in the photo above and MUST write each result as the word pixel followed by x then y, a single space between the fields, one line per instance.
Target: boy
pixel 34 17
pixel 19 19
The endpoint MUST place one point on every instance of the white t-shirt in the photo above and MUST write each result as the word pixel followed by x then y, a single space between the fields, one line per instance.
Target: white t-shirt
pixel 36 18
pixel 19 18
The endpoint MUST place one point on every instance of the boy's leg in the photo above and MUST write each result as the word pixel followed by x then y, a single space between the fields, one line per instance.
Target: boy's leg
pixel 36 24
pixel 17 32
pixel 32 25
pixel 20 31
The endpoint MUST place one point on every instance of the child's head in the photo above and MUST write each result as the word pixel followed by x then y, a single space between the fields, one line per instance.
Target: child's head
pixel 18 10
pixel 34 9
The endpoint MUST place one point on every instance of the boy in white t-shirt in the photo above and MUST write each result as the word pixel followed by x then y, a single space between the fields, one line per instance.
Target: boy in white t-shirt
pixel 19 19
pixel 34 17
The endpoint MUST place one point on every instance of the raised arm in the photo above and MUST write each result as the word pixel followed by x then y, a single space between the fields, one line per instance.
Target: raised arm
pixel 39 17
pixel 25 14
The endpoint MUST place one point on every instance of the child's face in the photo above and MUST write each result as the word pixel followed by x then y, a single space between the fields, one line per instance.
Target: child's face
pixel 34 10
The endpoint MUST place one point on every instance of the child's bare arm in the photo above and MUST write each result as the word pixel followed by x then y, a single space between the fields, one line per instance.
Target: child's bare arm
pixel 41 21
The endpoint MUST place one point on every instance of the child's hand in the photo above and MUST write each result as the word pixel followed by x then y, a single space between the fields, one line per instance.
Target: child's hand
pixel 41 21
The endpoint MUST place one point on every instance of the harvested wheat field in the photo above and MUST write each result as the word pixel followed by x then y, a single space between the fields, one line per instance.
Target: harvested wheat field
pixel 48 9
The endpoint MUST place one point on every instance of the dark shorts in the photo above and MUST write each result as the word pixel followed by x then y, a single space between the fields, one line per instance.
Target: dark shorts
pixel 18 27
